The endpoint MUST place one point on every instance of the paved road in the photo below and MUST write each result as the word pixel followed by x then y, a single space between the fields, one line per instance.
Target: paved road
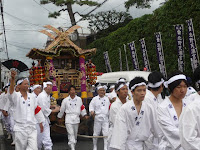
pixel 60 143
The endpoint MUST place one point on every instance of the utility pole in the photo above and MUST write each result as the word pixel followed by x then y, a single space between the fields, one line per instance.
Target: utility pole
pixel 0 76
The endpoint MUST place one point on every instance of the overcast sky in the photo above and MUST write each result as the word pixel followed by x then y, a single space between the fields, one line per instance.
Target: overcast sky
pixel 24 18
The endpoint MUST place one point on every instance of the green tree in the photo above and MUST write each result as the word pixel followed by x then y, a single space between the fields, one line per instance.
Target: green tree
pixel 105 19
pixel 139 3
pixel 66 5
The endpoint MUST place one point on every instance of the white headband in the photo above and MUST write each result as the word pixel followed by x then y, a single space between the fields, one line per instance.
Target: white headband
pixel 101 86
pixel 121 80
pixel 121 85
pixel 20 81
pixel 35 86
pixel 157 84
pixel 174 78
pixel 139 84
pixel 45 84
pixel 112 86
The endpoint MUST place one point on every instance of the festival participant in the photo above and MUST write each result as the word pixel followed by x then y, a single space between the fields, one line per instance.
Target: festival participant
pixel 135 121
pixel 189 126
pixel 99 109
pixel 25 111
pixel 122 92
pixel 73 107
pixel 112 94
pixel 155 87
pixel 171 108
pixel 44 102
pixel 5 114
pixel 36 90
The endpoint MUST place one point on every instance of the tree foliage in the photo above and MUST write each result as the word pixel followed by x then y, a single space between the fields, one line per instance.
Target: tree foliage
pixel 162 20
pixel 139 3
pixel 65 3
pixel 105 19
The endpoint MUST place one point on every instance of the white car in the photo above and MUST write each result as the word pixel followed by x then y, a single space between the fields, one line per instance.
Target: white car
pixel 112 77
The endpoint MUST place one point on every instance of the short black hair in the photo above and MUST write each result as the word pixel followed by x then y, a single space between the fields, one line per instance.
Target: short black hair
pixel 70 87
pixel 174 84
pixel 153 78
pixel 136 80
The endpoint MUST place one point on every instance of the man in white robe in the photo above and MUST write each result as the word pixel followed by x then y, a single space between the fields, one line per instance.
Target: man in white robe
pixel 122 93
pixel 170 110
pixel 36 90
pixel 25 115
pixel 99 109
pixel 73 107
pixel 44 102
pixel 155 87
pixel 135 121
pixel 5 115
pixel 189 126
pixel 112 95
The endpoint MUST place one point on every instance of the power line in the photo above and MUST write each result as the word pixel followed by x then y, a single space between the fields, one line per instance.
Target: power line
pixel 16 45
pixel 47 9
pixel 4 28
pixel 22 19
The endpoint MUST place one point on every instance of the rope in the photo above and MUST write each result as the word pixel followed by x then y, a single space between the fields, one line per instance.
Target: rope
pixel 84 136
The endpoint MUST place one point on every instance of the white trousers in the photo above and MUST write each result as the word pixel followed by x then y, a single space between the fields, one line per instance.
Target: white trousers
pixel 98 127
pixel 6 121
pixel 72 130
pixel 44 138
pixel 26 140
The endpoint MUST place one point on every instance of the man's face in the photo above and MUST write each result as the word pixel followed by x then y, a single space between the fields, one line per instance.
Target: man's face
pixel 180 91
pixel 48 89
pixel 101 92
pixel 24 86
pixel 38 90
pixel 139 93
pixel 72 92
pixel 123 92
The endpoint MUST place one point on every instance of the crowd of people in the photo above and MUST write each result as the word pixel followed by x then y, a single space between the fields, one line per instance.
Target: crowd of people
pixel 134 115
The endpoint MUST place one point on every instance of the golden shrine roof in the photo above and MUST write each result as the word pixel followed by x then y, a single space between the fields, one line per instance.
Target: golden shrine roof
pixel 60 43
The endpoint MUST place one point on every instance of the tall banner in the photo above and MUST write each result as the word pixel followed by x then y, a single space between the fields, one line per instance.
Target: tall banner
pixel 127 67
pixel 144 55
pixel 107 62
pixel 134 55
pixel 194 57
pixel 120 60
pixel 180 46
pixel 160 54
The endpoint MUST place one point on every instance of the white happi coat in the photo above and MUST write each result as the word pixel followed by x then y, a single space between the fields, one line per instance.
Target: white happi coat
pixel 131 129
pixel 101 108
pixel 189 126
pixel 115 106
pixel 73 109
pixel 3 100
pixel 24 111
pixel 151 99
pixel 44 102
pixel 169 124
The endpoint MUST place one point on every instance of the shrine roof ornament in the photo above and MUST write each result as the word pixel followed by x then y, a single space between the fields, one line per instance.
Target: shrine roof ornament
pixel 60 42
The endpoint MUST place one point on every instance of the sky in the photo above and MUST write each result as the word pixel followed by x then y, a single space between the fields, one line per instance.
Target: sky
pixel 24 18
